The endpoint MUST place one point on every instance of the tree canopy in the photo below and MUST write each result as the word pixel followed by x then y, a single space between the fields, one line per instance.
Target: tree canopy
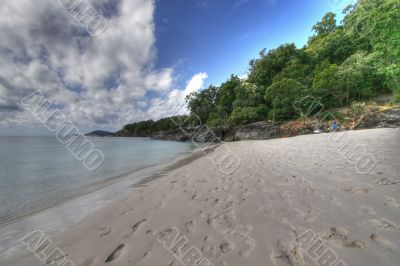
pixel 342 62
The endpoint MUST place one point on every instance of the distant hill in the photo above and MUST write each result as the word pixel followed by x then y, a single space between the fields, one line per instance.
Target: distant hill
pixel 99 133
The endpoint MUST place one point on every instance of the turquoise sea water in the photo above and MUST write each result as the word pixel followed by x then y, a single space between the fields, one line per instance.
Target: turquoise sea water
pixel 39 172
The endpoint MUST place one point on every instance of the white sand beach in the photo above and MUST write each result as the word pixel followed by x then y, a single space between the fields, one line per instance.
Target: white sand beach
pixel 292 201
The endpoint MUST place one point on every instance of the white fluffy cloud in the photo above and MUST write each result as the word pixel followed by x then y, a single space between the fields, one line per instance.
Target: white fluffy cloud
pixel 174 103
pixel 196 83
pixel 96 81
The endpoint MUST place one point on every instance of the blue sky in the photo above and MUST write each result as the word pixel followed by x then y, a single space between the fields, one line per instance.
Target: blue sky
pixel 149 57
pixel 220 37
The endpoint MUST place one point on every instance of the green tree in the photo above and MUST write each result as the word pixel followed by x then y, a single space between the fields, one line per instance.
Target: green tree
pixel 246 115
pixel 224 102
pixel 282 95
pixel 379 22
pixel 298 71
pixel 327 25
pixel 327 85
pixel 249 104
pixel 264 69
pixel 202 103
pixel 357 77
pixel 341 63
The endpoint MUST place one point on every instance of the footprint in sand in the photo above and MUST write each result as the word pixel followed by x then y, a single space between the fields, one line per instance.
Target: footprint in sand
pixel 216 202
pixel 311 215
pixel 366 210
pixel 135 227
pixel 385 243
pixel 299 179
pixel 115 254
pixel 107 230
pixel 190 226
pixel 139 259
pixel 160 205
pixel 226 246
pixel 213 201
pixel 249 245
pixel 336 201
pixel 309 189
pixel 312 211
pixel 391 202
pixel 211 221
pixel 243 197
pixel 287 254
pixel 210 246
pixel 54 259
pixel 88 262
pixel 214 190
pixel 384 224
pixel 387 181
pixel 339 237
pixel 285 196
pixel 127 211
pixel 356 190
pixel 216 247
pixel 261 181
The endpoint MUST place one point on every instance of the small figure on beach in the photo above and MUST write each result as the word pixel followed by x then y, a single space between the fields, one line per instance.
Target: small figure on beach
pixel 334 126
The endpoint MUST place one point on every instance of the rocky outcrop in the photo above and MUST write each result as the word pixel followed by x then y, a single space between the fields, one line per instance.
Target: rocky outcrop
pixel 172 135
pixel 295 128
pixel 379 119
pixel 255 131
pixel 203 134
pixel 258 131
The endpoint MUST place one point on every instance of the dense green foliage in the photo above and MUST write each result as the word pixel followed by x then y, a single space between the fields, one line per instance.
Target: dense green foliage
pixel 149 127
pixel 341 63
pixel 282 96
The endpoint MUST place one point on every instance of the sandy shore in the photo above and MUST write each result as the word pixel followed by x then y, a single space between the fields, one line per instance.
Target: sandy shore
pixel 305 200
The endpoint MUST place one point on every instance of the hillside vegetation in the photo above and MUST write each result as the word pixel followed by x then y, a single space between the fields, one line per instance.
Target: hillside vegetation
pixel 343 62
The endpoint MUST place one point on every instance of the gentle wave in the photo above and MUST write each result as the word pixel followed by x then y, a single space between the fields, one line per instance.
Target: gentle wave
pixel 39 172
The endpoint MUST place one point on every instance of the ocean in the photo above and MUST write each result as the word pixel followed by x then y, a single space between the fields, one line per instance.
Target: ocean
pixel 39 172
